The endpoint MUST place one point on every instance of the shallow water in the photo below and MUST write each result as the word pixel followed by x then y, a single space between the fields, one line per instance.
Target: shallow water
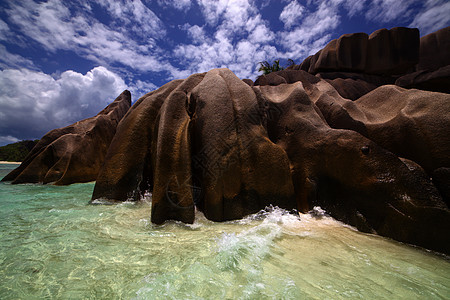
pixel 54 245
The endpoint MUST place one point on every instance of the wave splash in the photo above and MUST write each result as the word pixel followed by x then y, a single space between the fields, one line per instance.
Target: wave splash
pixel 235 265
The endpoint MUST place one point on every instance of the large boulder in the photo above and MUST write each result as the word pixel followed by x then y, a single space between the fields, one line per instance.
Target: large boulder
pixel 384 52
pixel 240 169
pixel 74 153
pixel 213 122
pixel 392 52
pixel 127 169
pixel 409 123
pixel 434 50
pixel 355 64
pixel 436 81
pixel 352 177
pixel 216 143
pixel 433 69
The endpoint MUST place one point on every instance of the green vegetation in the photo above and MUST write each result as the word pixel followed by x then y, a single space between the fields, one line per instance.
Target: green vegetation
pixel 267 68
pixel 16 151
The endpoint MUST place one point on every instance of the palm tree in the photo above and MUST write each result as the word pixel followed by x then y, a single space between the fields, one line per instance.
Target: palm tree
pixel 267 68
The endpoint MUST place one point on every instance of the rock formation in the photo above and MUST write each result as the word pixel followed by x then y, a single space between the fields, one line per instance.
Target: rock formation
pixel 218 143
pixel 345 130
pixel 357 63
pixel 74 153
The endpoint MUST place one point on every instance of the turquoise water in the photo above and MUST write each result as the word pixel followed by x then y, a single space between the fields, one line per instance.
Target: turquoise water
pixel 54 245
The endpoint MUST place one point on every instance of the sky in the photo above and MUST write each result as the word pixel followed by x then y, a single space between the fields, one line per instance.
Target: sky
pixel 64 61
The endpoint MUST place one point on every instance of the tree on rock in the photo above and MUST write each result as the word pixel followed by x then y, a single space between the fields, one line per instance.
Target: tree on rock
pixel 267 68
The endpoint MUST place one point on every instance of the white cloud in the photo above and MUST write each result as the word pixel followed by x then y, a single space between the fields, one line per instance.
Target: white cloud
pixel 212 10
pixel 239 39
pixel 434 16
pixel 355 7
pixel 7 139
pixel 291 14
pixel 314 31
pixel 261 34
pixel 140 88
pixel 32 103
pixel 177 4
pixel 195 32
pixel 4 30
pixel 56 27
pixel 134 16
pixel 389 10
pixel 10 60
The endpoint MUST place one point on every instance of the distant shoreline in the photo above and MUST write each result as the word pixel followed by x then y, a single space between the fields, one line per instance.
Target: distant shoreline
pixel 10 162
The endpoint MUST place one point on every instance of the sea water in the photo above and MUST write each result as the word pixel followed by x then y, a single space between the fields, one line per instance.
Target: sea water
pixel 54 245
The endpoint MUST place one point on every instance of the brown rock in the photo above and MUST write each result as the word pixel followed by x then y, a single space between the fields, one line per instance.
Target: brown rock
pixel 128 171
pixel 436 81
pixel 392 52
pixel 327 59
pixel 240 168
pixel 73 153
pixel 353 178
pixel 384 52
pixel 352 52
pixel 270 79
pixel 441 179
pixel 214 142
pixel 248 81
pixel 214 121
pixel 354 85
pixel 350 88
pixel 409 123
pixel 304 66
pixel 434 50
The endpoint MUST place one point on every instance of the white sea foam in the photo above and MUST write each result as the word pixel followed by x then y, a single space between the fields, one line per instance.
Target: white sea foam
pixel 101 201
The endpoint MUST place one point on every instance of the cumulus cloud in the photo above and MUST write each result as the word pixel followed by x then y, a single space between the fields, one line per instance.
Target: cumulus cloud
pixel 313 32
pixel 212 10
pixel 32 103
pixel 434 16
pixel 241 38
pixel 291 14
pixel 195 32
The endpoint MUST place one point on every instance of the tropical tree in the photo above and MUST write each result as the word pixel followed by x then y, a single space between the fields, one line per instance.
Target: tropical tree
pixel 267 68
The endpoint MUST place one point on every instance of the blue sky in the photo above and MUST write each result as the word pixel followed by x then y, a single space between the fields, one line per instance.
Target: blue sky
pixel 63 61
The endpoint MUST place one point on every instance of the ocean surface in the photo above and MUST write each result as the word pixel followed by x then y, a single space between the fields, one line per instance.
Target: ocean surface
pixel 54 245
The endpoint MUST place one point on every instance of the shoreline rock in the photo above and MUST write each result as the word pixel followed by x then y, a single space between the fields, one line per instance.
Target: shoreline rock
pixel 74 153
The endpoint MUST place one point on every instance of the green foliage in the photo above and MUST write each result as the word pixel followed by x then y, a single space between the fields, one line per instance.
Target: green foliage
pixel 267 68
pixel 17 151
